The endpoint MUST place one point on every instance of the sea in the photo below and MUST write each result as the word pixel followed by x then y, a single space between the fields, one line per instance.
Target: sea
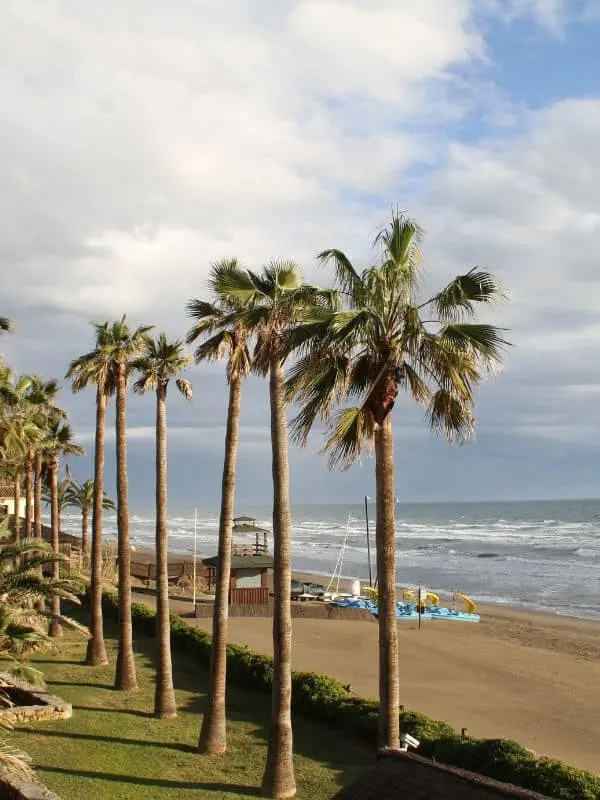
pixel 540 555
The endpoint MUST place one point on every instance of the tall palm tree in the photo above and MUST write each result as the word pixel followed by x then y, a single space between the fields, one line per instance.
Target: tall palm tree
pixel 161 361
pixel 384 339
pixel 96 368
pixel 81 496
pixel 274 301
pixel 226 337
pixel 122 344
pixel 58 441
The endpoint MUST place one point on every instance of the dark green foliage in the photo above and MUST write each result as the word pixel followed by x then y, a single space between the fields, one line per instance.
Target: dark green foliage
pixel 324 699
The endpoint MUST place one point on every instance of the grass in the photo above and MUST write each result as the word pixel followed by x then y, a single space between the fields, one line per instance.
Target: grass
pixel 114 749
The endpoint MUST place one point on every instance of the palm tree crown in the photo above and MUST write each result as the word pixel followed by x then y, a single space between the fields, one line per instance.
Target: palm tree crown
pixel 159 362
pixel 229 337
pixel 81 495
pixel 385 338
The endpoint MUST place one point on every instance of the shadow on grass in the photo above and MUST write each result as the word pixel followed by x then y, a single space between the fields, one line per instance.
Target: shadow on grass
pixel 132 711
pixel 91 737
pixel 345 756
pixel 166 784
pixel 109 687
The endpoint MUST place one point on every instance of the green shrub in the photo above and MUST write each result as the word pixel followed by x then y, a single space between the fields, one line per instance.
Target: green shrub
pixel 323 698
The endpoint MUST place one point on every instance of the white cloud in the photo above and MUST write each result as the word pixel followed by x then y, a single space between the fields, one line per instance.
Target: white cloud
pixel 141 143
pixel 527 207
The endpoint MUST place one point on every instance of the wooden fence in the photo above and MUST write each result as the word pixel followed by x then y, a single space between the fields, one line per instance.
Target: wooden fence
pixel 249 596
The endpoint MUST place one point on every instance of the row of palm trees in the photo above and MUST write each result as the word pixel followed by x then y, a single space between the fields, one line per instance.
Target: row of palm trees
pixel 363 340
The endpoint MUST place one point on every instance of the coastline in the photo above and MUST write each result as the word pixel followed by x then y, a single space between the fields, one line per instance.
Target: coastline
pixel 530 676
pixel 499 609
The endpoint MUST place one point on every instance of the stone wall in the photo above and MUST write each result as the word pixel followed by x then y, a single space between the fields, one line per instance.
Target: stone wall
pixel 17 789
pixel 300 610
pixel 43 705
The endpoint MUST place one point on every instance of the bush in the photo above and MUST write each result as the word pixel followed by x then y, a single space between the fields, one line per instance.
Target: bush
pixel 323 698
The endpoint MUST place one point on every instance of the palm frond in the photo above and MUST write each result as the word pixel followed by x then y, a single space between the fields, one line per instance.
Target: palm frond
pixel 451 416
pixel 458 298
pixel 315 381
pixel 346 277
pixel 484 341
pixel 352 431
pixel 185 387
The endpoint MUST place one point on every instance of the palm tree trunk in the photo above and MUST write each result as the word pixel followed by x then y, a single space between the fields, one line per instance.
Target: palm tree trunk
pixel 385 535
pixel 28 499
pixel 85 544
pixel 37 496
pixel 213 735
pixel 165 705
pixel 278 779
pixel 37 510
pixel 125 677
pixel 55 628
pixel 17 506
pixel 96 650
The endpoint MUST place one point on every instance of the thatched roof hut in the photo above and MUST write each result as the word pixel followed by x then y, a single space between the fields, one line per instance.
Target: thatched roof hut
pixel 406 776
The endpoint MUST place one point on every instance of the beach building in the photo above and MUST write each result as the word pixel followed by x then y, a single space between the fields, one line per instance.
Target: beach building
pixel 250 565
pixel 405 776
pixel 7 500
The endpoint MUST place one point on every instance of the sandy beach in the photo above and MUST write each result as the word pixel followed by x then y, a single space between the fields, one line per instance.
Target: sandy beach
pixel 517 675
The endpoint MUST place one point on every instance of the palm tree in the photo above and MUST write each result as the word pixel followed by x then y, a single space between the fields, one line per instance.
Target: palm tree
pixel 81 496
pixel 6 325
pixel 41 395
pixel 96 368
pixel 159 362
pixel 121 345
pixel 383 340
pixel 229 340
pixel 58 441
pixel 274 301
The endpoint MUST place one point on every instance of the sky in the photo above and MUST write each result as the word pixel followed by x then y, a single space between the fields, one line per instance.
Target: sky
pixel 142 141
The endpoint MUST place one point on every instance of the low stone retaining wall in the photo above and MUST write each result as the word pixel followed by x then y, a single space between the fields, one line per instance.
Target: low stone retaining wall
pixel 16 789
pixel 43 706
pixel 300 610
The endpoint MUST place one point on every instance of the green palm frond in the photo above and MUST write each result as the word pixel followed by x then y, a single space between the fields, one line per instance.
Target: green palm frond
pixel 81 495
pixel 346 277
pixel 484 341
pixel 352 431
pixel 459 297
pixel 410 379
pixel 222 321
pixel 237 285
pixel 315 381
pixel 216 348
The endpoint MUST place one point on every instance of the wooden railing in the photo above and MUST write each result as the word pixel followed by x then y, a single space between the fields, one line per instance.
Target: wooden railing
pixel 256 549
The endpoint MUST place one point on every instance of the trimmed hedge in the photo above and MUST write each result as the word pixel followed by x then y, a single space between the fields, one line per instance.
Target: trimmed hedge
pixel 323 698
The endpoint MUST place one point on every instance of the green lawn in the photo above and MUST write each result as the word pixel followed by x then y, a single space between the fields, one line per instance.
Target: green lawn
pixel 113 749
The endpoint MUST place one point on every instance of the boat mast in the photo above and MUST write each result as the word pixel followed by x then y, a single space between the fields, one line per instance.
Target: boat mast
pixel 368 540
